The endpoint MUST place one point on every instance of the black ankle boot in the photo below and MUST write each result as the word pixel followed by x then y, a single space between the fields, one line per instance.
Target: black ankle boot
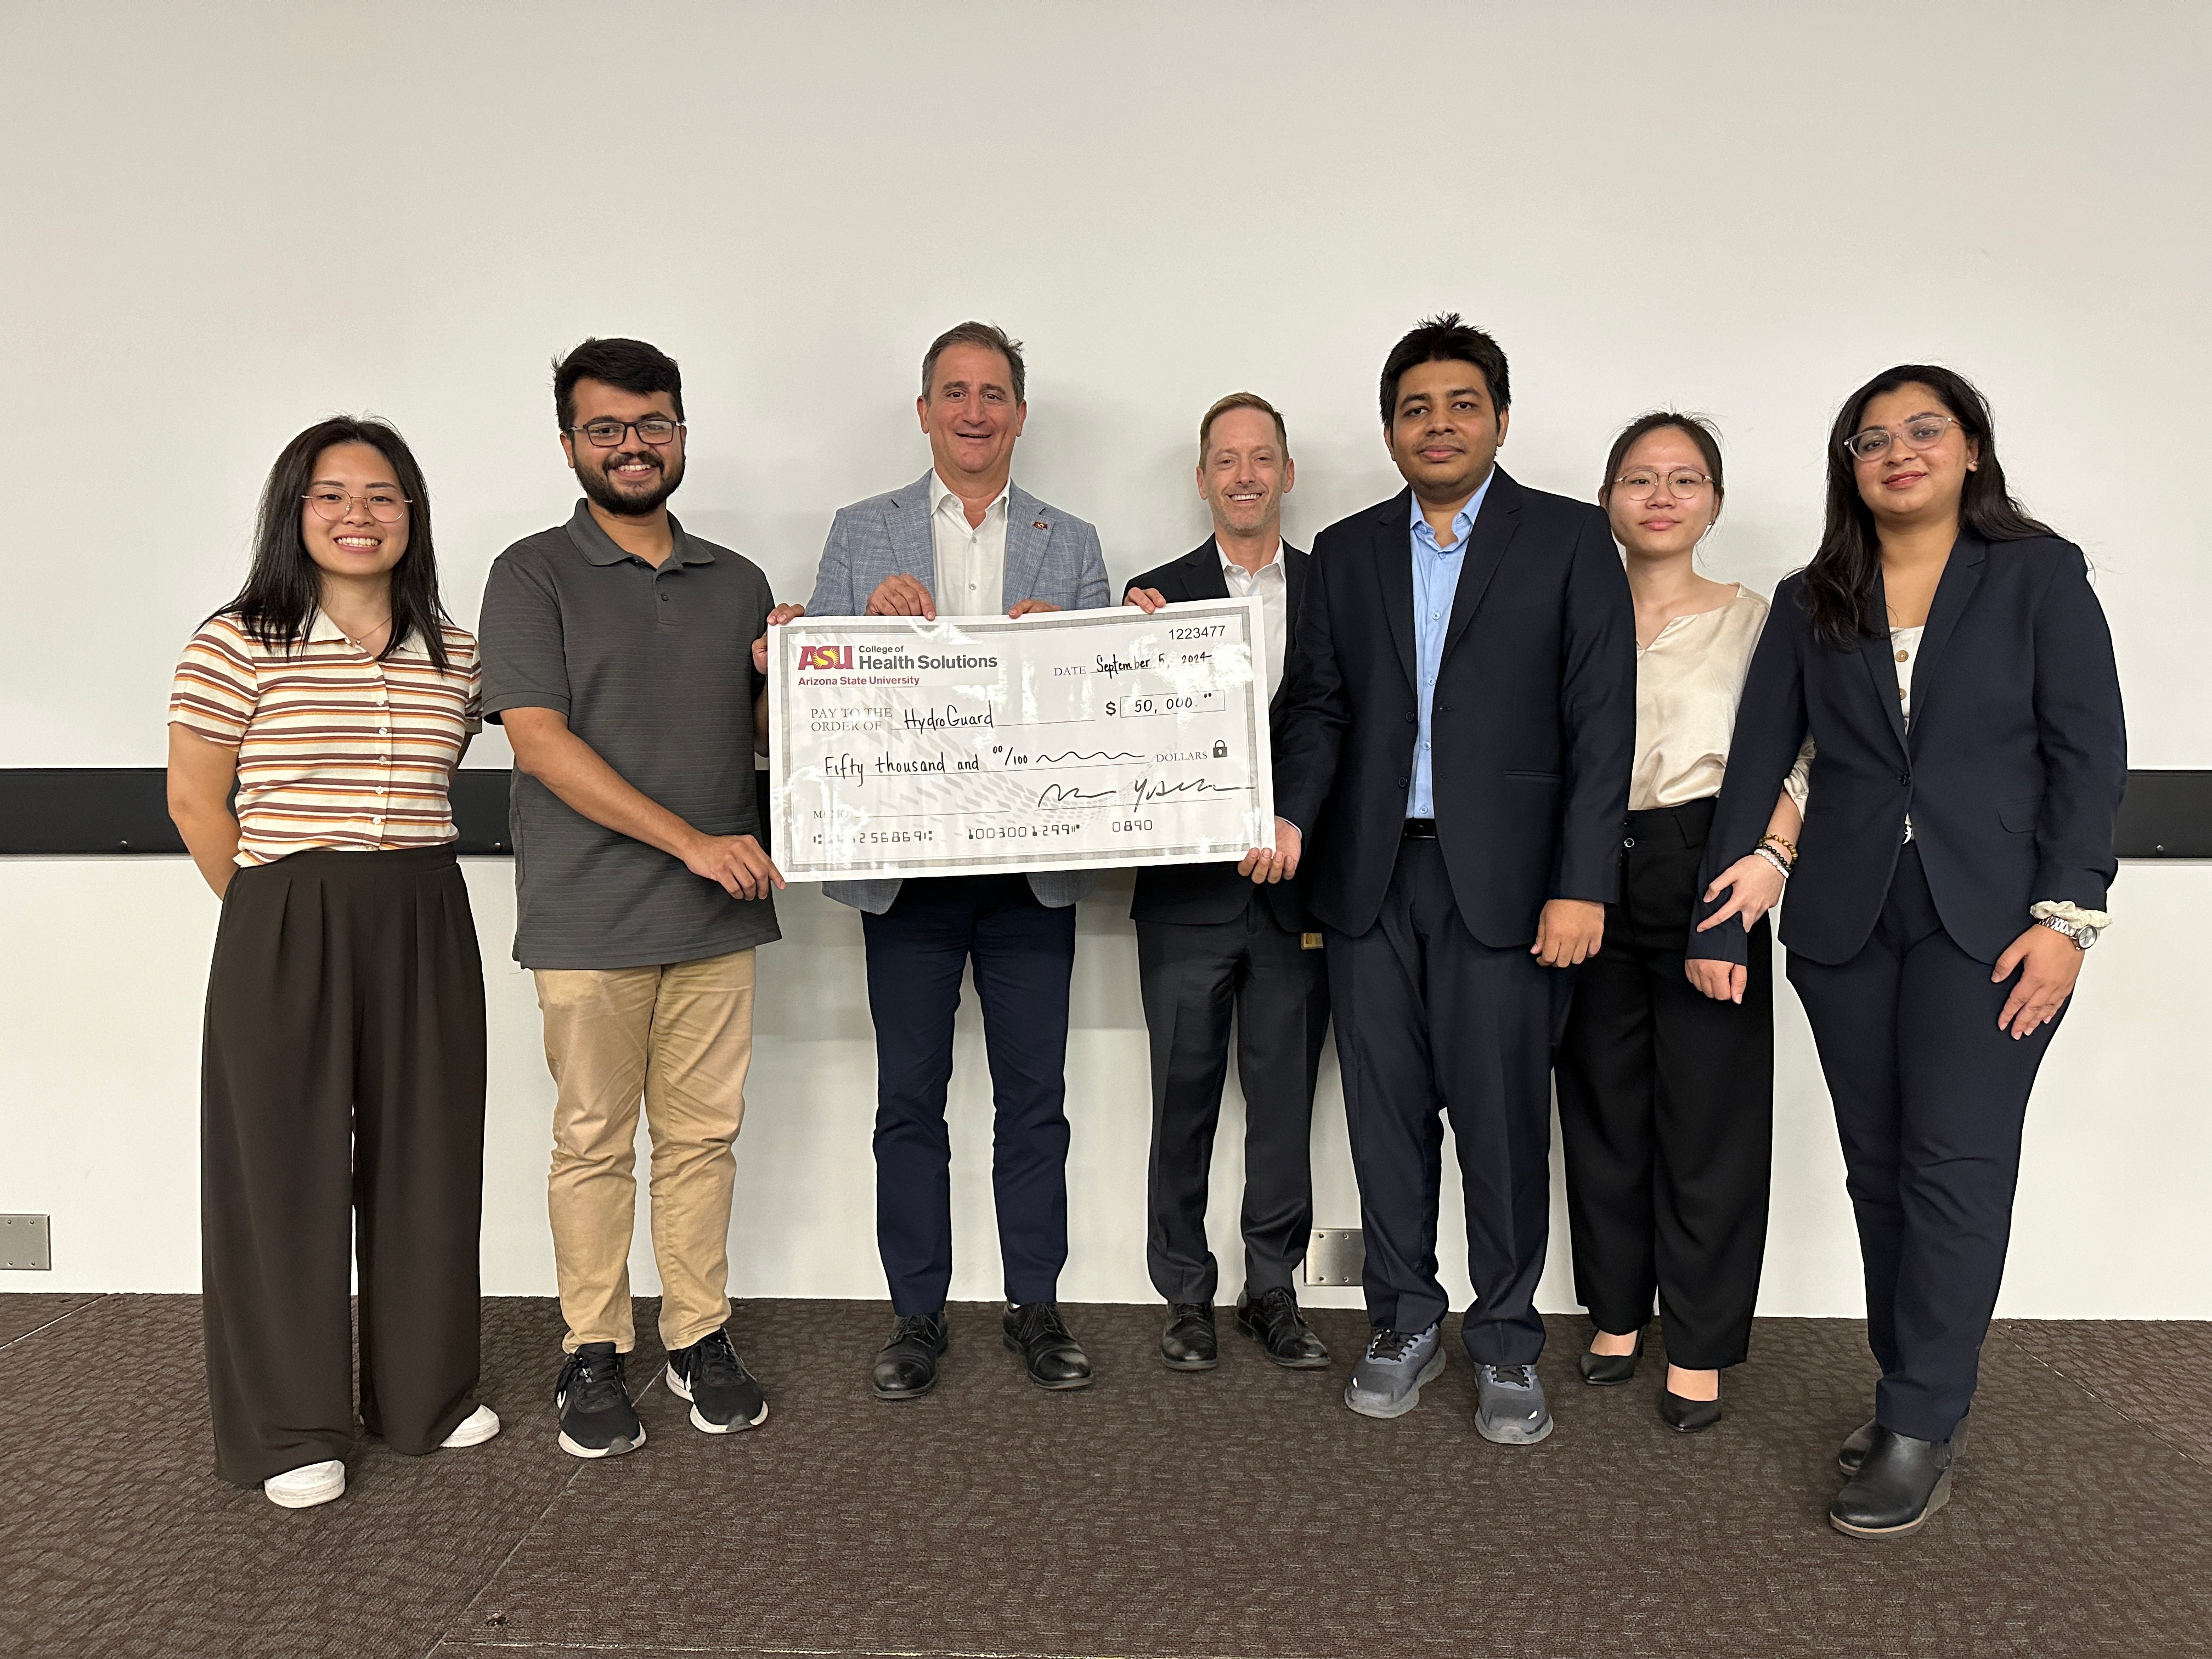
pixel 1899 1485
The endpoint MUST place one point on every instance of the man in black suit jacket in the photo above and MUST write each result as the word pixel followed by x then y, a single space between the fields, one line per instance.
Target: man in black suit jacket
pixel 1208 942
pixel 1456 744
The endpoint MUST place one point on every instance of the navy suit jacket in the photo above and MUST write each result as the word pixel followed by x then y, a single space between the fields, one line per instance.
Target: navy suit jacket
pixel 1533 725
pixel 1215 892
pixel 2012 768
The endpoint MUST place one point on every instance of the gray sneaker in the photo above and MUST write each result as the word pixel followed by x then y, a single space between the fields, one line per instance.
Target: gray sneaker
pixel 1387 1381
pixel 1509 1405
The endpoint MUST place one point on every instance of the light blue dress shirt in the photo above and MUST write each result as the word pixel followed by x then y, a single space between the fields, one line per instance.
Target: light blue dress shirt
pixel 1436 581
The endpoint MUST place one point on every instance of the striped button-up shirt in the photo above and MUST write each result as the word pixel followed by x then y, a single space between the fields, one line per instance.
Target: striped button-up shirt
pixel 335 749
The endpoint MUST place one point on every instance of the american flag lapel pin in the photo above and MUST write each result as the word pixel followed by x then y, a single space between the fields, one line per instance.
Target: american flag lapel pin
pixel 1039 524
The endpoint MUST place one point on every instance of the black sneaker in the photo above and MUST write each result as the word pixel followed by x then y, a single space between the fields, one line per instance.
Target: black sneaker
pixel 724 1396
pixel 597 1419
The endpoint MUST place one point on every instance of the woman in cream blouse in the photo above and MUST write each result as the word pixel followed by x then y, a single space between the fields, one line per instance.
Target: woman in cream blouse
pixel 1667 1084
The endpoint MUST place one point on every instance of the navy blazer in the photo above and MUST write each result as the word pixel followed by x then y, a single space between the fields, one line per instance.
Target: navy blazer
pixel 1534 721
pixel 1215 892
pixel 2012 769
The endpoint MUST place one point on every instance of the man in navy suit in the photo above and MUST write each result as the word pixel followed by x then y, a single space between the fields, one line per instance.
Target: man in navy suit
pixel 963 539
pixel 1209 945
pixel 1461 722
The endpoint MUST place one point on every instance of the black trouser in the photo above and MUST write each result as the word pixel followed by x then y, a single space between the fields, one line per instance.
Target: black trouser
pixel 1193 976
pixel 1428 1016
pixel 1025 955
pixel 1666 1111
pixel 1930 1096
pixel 342 1111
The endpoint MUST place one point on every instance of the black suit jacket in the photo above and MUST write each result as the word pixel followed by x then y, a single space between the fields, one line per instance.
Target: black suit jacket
pixel 1215 892
pixel 2012 769
pixel 1533 722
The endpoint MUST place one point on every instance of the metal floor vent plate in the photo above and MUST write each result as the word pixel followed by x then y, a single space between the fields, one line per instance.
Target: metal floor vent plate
pixel 25 1243
pixel 1336 1256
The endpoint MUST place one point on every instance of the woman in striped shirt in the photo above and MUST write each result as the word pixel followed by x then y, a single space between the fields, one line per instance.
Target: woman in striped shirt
pixel 342 1072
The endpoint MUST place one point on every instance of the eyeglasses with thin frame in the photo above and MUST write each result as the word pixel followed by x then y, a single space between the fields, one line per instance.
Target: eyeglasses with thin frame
pixel 1921 432
pixel 385 505
pixel 1642 483
pixel 654 430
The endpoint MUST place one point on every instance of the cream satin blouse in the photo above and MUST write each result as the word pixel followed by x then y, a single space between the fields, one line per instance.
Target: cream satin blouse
pixel 1688 682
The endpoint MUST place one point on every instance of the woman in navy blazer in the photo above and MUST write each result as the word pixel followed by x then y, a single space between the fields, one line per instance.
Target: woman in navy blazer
pixel 1953 669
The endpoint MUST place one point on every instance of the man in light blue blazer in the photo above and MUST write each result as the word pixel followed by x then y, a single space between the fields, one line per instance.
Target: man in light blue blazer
pixel 963 539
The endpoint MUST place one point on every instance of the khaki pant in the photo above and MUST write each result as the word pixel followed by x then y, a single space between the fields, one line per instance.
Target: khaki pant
pixel 681 1036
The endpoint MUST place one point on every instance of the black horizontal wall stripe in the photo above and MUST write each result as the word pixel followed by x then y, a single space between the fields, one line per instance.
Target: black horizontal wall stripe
pixel 124 809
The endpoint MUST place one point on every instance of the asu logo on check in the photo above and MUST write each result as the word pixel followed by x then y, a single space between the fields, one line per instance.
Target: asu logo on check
pixel 824 656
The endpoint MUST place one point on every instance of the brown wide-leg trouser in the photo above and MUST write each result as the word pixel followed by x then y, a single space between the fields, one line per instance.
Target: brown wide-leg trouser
pixel 342 1112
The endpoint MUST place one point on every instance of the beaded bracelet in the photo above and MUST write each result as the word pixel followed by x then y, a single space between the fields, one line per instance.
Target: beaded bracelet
pixel 1773 858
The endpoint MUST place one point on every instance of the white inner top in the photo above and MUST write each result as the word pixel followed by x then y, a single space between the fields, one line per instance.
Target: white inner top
pixel 1272 583
pixel 971 559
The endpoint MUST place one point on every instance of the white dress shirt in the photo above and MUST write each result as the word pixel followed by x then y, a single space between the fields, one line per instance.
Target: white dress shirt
pixel 971 559
pixel 1272 583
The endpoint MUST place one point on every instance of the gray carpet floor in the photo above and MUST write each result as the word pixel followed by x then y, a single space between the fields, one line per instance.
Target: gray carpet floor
pixel 1240 1512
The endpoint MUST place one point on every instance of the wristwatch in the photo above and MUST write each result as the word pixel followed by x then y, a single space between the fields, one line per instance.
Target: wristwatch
pixel 2081 933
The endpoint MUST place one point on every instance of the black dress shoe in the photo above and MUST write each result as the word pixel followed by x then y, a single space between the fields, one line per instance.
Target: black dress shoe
pixel 1902 1482
pixel 1055 1359
pixel 1189 1343
pixel 906 1369
pixel 1856 1443
pixel 1686 1416
pixel 1274 1320
pixel 1609 1370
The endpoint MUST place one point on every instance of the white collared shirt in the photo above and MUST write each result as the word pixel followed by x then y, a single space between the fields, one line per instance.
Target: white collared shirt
pixel 971 559
pixel 1272 583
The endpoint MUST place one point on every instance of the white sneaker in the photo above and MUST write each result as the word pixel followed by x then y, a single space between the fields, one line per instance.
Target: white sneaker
pixel 478 1427
pixel 306 1486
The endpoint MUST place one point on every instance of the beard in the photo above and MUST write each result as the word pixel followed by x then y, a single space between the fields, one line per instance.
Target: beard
pixel 610 497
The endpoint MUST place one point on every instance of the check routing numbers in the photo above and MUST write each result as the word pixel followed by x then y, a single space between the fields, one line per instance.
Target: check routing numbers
pixel 977 744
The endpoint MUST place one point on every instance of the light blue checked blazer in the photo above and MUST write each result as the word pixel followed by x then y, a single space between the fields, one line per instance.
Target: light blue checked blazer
pixel 1050 556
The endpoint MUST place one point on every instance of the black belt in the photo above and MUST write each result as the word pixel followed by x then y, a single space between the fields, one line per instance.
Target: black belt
pixel 1420 829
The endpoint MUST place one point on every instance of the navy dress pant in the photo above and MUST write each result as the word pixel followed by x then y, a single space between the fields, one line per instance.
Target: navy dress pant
pixel 1430 1020
pixel 1024 956
pixel 1666 1111
pixel 1930 1096
pixel 1194 976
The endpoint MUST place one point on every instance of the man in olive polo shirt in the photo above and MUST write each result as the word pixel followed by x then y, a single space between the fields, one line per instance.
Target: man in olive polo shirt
pixel 621 654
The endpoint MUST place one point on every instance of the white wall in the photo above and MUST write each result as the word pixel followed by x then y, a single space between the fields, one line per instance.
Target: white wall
pixel 222 221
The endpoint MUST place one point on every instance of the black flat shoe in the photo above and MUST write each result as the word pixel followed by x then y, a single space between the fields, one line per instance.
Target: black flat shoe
pixel 1189 1342
pixel 1856 1443
pixel 1687 1416
pixel 1053 1357
pixel 907 1367
pixel 1274 1320
pixel 1902 1482
pixel 1609 1370
pixel 1855 1448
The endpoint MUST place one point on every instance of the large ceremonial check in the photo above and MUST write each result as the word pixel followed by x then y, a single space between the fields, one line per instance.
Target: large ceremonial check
pixel 971 745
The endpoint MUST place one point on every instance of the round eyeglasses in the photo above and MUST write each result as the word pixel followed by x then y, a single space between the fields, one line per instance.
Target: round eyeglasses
pixel 1642 483
pixel 385 505
pixel 1922 432
pixel 654 430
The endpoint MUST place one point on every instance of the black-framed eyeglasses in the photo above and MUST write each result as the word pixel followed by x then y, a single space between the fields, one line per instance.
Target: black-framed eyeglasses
pixel 1922 432
pixel 385 505
pixel 655 430
pixel 1641 483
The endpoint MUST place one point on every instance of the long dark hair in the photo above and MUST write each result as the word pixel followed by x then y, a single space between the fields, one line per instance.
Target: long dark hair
pixel 1838 587
pixel 283 587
